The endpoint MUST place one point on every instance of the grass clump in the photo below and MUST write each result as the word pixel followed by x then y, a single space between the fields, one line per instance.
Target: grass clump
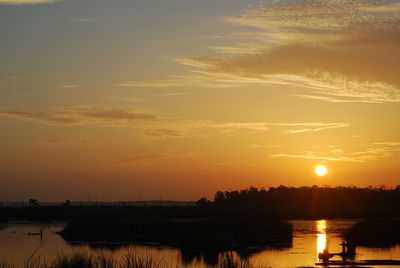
pixel 228 260
pixel 4 264
pixel 133 259
pixel 82 260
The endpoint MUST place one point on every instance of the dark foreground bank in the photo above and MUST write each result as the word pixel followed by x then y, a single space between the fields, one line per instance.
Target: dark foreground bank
pixel 382 233
pixel 131 260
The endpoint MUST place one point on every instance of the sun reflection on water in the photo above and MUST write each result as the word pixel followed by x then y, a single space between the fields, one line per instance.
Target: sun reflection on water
pixel 321 236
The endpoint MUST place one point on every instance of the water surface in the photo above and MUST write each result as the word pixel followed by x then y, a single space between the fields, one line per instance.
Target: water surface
pixel 309 238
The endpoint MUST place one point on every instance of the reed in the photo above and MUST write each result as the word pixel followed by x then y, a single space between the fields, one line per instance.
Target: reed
pixel 134 259
pixel 86 260
pixel 82 260
pixel 4 264
pixel 228 260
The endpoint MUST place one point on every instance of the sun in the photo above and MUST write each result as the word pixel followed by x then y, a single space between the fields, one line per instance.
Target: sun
pixel 321 170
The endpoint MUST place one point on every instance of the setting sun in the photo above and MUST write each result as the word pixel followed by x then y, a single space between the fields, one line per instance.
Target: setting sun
pixel 321 170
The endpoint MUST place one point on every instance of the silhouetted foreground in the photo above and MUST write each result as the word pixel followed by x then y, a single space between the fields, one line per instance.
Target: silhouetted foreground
pixel 132 259
pixel 374 233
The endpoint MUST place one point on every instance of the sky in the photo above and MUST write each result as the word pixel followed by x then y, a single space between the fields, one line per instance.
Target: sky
pixel 112 100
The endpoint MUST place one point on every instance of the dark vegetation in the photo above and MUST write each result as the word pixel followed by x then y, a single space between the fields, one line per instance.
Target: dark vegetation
pixel 311 202
pixel 132 259
pixel 375 233
pixel 245 221
pixel 283 202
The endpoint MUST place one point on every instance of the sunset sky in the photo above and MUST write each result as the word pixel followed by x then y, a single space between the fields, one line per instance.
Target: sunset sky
pixel 176 99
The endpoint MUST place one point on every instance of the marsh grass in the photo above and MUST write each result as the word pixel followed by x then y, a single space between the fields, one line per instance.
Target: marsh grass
pixel 82 260
pixel 133 259
pixel 4 264
pixel 137 260
pixel 228 260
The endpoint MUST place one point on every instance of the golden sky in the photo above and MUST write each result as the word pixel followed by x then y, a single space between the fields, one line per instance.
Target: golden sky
pixel 178 99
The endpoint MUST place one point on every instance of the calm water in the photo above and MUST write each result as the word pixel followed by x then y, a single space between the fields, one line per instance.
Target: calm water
pixel 310 237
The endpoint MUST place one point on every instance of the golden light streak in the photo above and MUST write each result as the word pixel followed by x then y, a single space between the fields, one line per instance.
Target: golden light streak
pixel 321 236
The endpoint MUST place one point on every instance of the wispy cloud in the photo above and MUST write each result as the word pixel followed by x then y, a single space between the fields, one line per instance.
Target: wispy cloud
pixel 26 2
pixel 50 118
pixel 62 141
pixel 78 115
pixel 198 80
pixel 173 94
pixel 154 127
pixel 69 86
pixel 148 158
pixel 316 127
pixel 337 99
pixel 81 20
pixel 160 133
pixel 374 151
pixel 342 50
pixel 184 128
pixel 110 113
pixel 293 128
pixel 240 125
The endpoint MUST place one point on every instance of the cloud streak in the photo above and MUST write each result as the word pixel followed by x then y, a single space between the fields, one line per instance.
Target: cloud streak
pixel 79 115
pixel 151 126
pixel 26 2
pixel 63 141
pixel 373 152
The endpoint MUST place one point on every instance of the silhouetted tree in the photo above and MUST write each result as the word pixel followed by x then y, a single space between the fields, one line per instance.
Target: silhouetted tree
pixel 33 202
pixel 203 202
pixel 313 202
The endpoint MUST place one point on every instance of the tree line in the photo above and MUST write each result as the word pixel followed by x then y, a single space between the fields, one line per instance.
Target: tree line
pixel 310 202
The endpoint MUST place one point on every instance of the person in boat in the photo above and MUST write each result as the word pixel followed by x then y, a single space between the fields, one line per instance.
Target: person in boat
pixel 325 255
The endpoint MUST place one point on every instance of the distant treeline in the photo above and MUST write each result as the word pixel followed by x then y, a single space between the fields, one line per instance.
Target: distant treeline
pixel 309 202
pixel 275 202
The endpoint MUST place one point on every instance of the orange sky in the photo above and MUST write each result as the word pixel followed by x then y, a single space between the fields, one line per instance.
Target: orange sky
pixel 179 99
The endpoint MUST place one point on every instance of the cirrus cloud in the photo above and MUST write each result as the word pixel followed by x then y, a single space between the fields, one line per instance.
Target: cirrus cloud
pixel 372 152
pixel 26 2
pixel 79 115
pixel 341 50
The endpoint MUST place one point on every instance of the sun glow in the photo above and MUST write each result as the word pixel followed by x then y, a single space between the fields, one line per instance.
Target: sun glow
pixel 321 170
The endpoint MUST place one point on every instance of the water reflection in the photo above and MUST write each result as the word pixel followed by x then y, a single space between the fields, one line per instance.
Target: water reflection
pixel 310 238
pixel 322 241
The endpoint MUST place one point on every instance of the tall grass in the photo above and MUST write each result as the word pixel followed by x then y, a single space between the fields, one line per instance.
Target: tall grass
pixel 137 260
pixel 82 260
pixel 228 260
pixel 133 259
pixel 4 264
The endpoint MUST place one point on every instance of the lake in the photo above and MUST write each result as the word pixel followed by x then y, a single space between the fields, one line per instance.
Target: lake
pixel 309 238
